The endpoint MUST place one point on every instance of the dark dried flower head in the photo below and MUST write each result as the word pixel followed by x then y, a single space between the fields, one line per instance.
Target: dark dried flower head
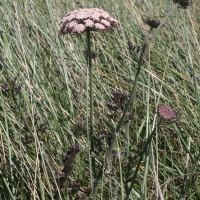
pixel 28 139
pixel 69 156
pixel 87 191
pixel 111 116
pixel 103 137
pixel 111 107
pixel 81 121
pixel 129 117
pixel 80 126
pixel 152 23
pixel 79 20
pixel 41 128
pixel 166 112
pixel 137 52
pixel 34 117
pixel 73 191
pixel 183 3
pixel 117 94
pixel 79 198
pixel 2 164
pixel 119 97
pixel 5 87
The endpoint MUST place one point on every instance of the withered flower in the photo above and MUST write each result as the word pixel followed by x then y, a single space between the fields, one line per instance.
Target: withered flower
pixel 28 139
pixel 183 3
pixel 152 23
pixel 87 191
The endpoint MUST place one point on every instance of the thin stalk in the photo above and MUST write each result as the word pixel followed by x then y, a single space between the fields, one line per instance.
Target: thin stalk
pixel 88 135
pixel 89 65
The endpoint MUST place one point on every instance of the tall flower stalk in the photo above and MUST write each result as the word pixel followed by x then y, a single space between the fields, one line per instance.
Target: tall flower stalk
pixel 87 20
pixel 89 66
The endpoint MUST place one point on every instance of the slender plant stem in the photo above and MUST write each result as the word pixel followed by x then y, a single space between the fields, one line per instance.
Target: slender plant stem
pixel 89 64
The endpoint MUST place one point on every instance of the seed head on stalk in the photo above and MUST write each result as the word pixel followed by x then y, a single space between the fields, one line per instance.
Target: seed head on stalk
pixel 183 3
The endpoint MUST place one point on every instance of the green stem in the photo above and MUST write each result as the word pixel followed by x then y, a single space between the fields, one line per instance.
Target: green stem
pixel 89 64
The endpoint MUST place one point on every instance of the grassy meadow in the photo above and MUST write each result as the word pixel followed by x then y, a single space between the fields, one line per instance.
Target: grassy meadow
pixel 45 141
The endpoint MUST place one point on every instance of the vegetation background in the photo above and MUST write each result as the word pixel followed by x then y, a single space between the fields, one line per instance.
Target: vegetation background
pixel 51 71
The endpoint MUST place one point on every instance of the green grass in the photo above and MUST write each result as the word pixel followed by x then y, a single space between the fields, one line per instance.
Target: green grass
pixel 51 72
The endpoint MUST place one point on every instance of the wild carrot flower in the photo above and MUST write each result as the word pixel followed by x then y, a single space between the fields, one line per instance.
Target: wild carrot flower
pixel 79 20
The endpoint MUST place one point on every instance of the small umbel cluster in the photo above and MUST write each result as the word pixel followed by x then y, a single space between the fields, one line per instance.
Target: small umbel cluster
pixel 166 112
pixel 79 20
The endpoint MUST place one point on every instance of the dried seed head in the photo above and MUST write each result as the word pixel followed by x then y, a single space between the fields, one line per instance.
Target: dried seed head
pixel 79 20
pixel 87 191
pixel 152 22
pixel 183 3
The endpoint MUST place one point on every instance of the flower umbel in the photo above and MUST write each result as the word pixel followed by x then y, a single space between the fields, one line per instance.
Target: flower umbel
pixel 79 20
pixel 166 112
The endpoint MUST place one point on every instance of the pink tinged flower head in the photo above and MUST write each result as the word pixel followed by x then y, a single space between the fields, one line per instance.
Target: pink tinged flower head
pixel 89 23
pixel 79 20
pixel 79 28
pixel 71 24
pixel 106 23
pixel 99 26
pixel 166 112
pixel 81 15
pixel 96 16
pixel 113 22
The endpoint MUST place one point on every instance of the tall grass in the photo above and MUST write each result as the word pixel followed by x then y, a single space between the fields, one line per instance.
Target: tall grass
pixel 37 122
